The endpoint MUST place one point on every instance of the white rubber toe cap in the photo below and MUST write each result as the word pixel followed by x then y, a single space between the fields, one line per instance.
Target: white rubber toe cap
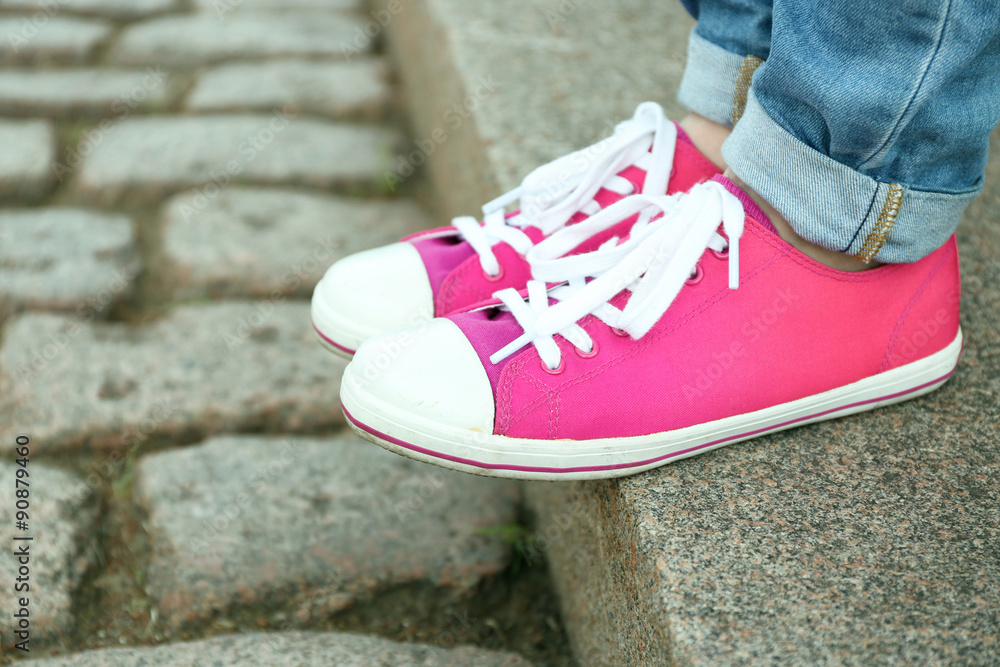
pixel 370 293
pixel 428 374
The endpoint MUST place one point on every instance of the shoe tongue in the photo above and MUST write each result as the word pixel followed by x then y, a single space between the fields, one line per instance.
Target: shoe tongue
pixel 749 205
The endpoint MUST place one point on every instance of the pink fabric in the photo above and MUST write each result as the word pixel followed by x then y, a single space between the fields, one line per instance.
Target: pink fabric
pixel 750 207
pixel 491 330
pixel 794 328
pixel 456 276
pixel 441 255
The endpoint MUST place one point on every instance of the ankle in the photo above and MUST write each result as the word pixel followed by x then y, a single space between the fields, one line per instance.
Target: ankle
pixel 707 136
pixel 831 258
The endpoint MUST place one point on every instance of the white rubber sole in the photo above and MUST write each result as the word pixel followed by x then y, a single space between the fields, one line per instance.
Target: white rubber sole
pixel 518 458
pixel 340 336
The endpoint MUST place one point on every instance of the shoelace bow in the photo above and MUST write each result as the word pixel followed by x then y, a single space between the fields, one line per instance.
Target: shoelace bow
pixel 653 264
pixel 555 192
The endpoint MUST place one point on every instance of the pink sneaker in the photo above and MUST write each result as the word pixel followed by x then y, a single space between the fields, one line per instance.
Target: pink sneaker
pixel 685 336
pixel 437 272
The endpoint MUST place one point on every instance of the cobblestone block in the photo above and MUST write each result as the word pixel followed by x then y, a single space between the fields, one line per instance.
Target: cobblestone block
pixel 26 173
pixel 291 648
pixel 199 39
pixel 357 89
pixel 65 259
pixel 116 9
pixel 84 92
pixel 61 520
pixel 144 159
pixel 201 370
pixel 43 37
pixel 223 8
pixel 262 243
pixel 344 520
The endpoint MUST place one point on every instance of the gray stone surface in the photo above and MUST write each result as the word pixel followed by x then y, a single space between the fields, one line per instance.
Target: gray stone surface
pixel 26 160
pixel 198 39
pixel 267 242
pixel 291 648
pixel 144 159
pixel 224 8
pixel 869 540
pixel 62 521
pixel 357 89
pixel 504 85
pixel 84 92
pixel 310 526
pixel 65 259
pixel 117 9
pixel 199 370
pixel 44 37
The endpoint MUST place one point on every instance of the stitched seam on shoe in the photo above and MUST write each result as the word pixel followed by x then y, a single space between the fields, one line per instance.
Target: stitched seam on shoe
pixel 454 286
pixel 553 415
pixel 869 276
pixel 909 307
pixel 515 370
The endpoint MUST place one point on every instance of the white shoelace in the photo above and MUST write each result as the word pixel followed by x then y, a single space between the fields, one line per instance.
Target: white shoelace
pixel 653 264
pixel 555 192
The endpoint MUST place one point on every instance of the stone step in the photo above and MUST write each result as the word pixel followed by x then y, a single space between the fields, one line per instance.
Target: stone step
pixel 270 243
pixel 142 160
pixel 291 648
pixel 868 540
pixel 200 370
pixel 75 260
pixel 311 527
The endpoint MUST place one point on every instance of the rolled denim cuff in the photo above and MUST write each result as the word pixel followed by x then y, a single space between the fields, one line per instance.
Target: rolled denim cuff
pixel 832 205
pixel 709 84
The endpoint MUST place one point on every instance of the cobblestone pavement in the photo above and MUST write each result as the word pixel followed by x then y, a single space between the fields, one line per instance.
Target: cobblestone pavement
pixel 175 177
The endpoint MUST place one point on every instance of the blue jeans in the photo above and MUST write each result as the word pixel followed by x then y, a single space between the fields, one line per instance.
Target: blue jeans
pixel 865 124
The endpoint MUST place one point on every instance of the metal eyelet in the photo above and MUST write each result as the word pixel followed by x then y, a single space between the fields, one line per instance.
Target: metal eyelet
pixel 594 348
pixel 498 276
pixel 554 371
pixel 621 333
pixel 699 273
pixel 721 254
